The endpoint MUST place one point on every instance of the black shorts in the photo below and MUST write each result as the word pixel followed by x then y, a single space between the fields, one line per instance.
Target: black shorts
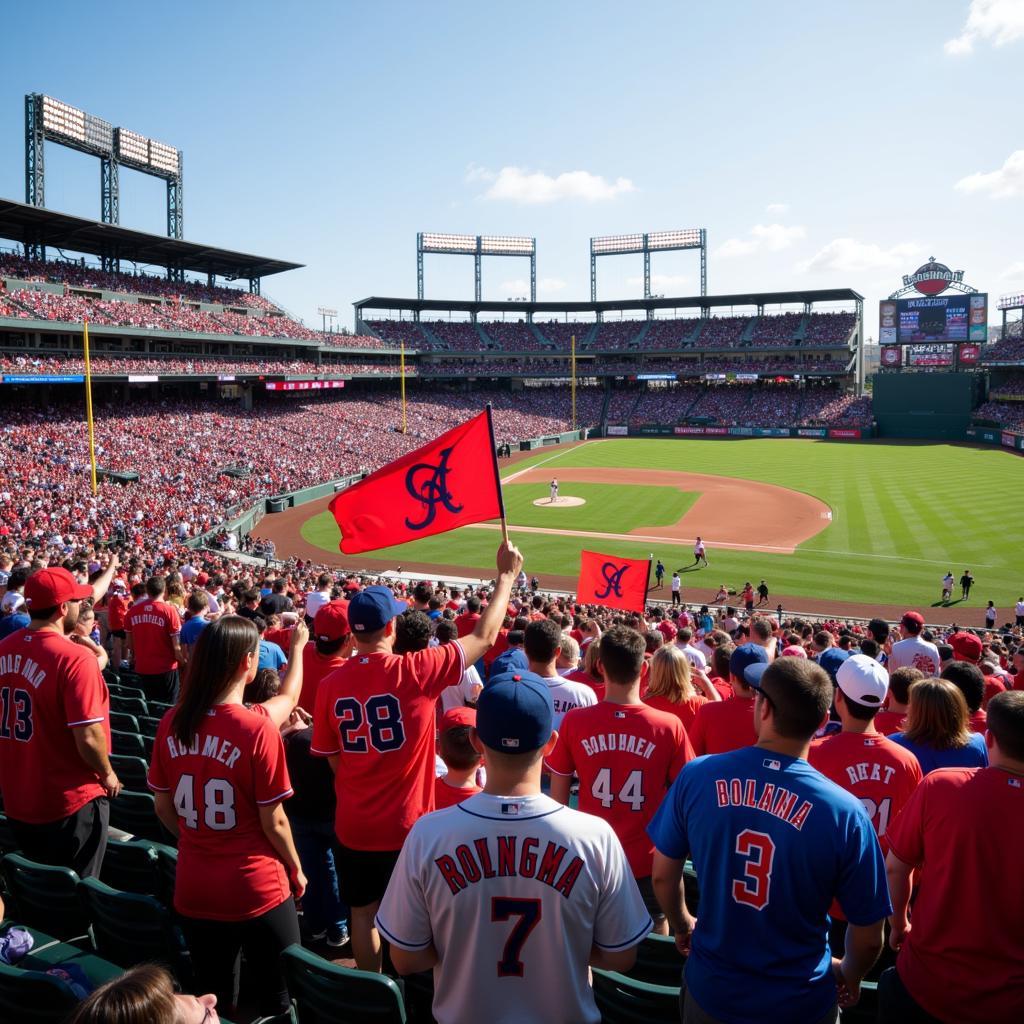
pixel 119 633
pixel 650 900
pixel 363 875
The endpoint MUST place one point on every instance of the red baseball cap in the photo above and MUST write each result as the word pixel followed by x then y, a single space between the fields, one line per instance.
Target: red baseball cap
pixel 966 646
pixel 915 617
pixel 458 716
pixel 47 588
pixel 331 621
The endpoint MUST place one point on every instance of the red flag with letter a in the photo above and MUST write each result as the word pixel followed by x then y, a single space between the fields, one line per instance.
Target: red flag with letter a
pixel 614 582
pixel 447 483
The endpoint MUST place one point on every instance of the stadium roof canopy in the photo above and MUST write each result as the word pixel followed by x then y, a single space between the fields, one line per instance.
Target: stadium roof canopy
pixel 606 305
pixel 20 222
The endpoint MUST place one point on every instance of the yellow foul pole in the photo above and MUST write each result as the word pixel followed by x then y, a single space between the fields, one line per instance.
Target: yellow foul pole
pixel 403 387
pixel 572 425
pixel 88 405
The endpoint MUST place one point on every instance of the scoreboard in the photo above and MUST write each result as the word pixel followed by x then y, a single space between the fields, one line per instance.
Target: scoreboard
pixel 934 319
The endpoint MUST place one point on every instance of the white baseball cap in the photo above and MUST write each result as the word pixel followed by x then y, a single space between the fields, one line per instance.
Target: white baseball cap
pixel 863 680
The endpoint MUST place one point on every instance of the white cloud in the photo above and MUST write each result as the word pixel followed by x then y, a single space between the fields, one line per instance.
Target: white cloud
pixel 773 237
pixel 1003 183
pixel 998 21
pixel 519 185
pixel 777 209
pixel 665 284
pixel 1014 272
pixel 519 286
pixel 848 256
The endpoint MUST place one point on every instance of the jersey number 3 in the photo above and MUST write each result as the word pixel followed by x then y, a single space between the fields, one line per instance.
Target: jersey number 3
pixel 383 717
pixel 752 889
pixel 528 912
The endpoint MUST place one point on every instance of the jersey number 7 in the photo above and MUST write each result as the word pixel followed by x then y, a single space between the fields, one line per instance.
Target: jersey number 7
pixel 528 911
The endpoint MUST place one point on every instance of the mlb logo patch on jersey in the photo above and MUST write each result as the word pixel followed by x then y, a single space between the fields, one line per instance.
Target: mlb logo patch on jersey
pixel 771 763
pixel 364 661
pixel 1016 783
pixel 511 809
pixel 620 714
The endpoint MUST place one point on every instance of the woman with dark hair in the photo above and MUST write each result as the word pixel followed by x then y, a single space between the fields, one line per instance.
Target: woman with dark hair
pixel 937 730
pixel 144 995
pixel 220 779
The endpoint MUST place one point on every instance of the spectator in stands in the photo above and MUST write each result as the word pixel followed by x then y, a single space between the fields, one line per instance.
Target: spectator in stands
pixel 238 869
pixel 729 724
pixel 55 773
pixel 671 686
pixel 957 828
pixel 153 628
pixel 892 718
pixel 937 730
pixel 144 995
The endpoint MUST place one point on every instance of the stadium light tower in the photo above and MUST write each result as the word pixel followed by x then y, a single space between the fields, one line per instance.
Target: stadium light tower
pixel 653 241
pixel 476 246
pixel 51 120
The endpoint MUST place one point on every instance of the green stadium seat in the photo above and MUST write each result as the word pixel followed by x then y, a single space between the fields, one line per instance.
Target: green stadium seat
pixel 323 993
pixel 158 709
pixel 148 742
pixel 623 1000
pixel 132 771
pixel 129 705
pixel 8 844
pixel 132 867
pixel 123 722
pixel 129 928
pixel 148 726
pixel 129 744
pixel 658 962
pixel 120 690
pixel 135 813
pixel 33 997
pixel 167 858
pixel 43 896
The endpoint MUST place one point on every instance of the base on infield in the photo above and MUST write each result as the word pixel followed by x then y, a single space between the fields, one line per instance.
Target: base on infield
pixel 562 501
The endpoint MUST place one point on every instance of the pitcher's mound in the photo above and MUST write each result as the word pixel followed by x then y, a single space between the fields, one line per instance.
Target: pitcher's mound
pixel 562 501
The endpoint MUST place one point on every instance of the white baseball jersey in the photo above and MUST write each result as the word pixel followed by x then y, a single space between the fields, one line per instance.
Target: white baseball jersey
pixel 513 892
pixel 462 693
pixel 915 653
pixel 567 694
pixel 698 549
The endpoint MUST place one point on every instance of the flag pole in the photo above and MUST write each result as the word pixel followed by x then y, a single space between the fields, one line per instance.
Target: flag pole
pixel 403 387
pixel 572 423
pixel 88 405
pixel 497 476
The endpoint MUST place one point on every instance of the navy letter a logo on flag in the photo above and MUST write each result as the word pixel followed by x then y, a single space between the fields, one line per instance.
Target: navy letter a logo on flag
pixel 612 575
pixel 428 485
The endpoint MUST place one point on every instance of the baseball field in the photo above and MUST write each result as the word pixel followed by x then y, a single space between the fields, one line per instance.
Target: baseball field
pixel 829 525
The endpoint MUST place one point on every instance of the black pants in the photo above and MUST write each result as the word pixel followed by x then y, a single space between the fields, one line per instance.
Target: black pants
pixel 77 842
pixel 215 946
pixel 162 687
pixel 690 1011
pixel 896 1005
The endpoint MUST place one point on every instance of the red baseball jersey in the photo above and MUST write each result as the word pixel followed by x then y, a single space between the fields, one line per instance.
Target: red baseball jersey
pixel 227 869
pixel 315 668
pixel 117 609
pixel 685 710
pixel 723 725
pixel 962 959
pixel 888 722
pixel 376 715
pixel 449 796
pixel 626 756
pixel 48 687
pixel 151 625
pixel 879 773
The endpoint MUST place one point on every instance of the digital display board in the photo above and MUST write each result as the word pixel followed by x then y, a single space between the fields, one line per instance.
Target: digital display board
pixel 933 354
pixel 956 317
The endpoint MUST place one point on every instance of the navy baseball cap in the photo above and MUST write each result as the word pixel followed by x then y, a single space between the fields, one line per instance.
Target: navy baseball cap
pixel 830 660
pixel 744 656
pixel 372 609
pixel 515 713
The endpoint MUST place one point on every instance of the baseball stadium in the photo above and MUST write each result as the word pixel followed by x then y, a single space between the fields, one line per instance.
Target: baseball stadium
pixel 259 694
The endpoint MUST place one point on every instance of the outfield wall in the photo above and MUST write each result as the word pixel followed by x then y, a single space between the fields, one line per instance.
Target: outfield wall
pixel 925 405
pixel 677 430
pixel 995 435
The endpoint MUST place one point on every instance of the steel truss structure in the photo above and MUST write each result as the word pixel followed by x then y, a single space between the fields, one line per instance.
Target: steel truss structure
pixel 476 246
pixel 646 243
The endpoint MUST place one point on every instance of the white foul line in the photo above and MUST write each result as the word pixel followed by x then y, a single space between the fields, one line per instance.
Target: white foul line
pixel 550 458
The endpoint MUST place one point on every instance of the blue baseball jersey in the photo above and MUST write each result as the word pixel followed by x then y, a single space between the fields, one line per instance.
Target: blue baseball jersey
pixel 773 842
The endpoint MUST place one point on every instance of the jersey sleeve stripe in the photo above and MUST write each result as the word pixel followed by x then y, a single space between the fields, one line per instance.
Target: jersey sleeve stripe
pixel 640 935
pixel 277 799
pixel 401 943
pixel 324 753
pixel 86 721
pixel 462 656
pixel 158 789
pixel 555 771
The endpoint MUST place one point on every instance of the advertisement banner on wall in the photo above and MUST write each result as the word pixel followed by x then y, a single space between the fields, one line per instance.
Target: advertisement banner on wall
pixel 653 429
pixel 690 430
pixel 811 432
pixel 616 430
pixel 978 322
pixel 846 433
pixel 742 431
pixel 717 431
pixel 891 355
pixel 43 378
pixel 1008 440
pixel 142 378
pixel 969 355
pixel 303 385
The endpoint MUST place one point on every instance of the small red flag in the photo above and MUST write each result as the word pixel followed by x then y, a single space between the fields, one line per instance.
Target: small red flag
pixel 447 483
pixel 614 582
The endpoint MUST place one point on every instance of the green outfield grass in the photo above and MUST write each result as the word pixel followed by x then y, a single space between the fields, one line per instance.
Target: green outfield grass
pixel 902 515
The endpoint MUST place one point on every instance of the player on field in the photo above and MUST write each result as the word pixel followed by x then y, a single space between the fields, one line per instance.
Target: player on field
pixel 699 552
pixel 509 896
pixel 553 491
pixel 374 721
pixel 55 771
pixel 625 754
pixel 959 827
pixel 773 843
pixel 220 779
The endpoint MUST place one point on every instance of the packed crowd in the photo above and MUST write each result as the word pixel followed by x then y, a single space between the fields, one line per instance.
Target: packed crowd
pixel 1007 414
pixel 119 365
pixel 895 743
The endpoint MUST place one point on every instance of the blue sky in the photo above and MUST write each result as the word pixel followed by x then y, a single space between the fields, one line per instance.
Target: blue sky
pixel 821 144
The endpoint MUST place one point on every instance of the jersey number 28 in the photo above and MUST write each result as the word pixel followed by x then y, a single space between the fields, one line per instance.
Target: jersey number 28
pixel 382 715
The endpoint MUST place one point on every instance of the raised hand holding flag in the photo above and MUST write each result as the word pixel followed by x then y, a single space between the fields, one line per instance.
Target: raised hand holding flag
pixel 613 581
pixel 448 483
